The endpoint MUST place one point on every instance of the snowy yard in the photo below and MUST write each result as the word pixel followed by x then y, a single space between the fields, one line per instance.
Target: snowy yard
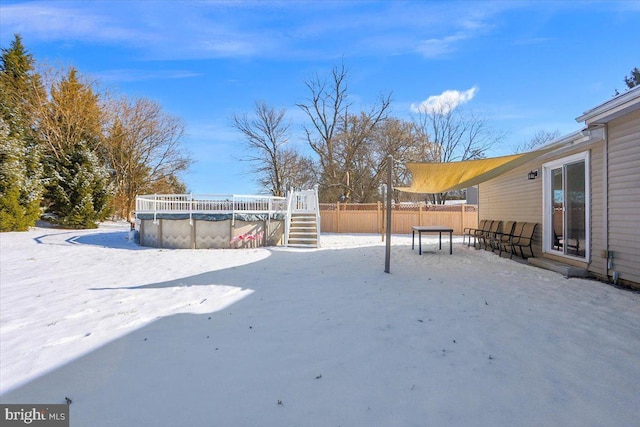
pixel 291 337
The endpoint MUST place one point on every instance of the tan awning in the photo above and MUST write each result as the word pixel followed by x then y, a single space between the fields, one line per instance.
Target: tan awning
pixel 443 177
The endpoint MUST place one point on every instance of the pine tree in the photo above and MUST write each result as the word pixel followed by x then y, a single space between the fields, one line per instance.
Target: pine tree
pixel 72 115
pixel 634 78
pixel 21 185
pixel 78 190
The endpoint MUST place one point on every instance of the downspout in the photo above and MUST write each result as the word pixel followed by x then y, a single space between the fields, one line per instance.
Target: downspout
pixel 605 214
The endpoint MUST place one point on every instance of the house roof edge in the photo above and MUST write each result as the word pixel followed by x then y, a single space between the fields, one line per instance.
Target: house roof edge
pixel 615 107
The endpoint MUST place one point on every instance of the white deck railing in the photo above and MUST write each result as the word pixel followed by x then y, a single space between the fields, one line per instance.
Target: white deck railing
pixel 209 204
pixel 302 201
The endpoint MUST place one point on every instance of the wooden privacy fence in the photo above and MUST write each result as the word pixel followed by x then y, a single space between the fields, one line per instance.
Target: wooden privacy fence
pixel 370 217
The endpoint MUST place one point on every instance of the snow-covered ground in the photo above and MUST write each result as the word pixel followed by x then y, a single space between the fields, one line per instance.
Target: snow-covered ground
pixel 292 337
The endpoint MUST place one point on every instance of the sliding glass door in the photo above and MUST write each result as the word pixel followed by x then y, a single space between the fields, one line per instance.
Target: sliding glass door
pixel 567 206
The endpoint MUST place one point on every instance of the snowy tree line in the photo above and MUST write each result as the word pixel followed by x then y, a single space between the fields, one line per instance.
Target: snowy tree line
pixel 74 153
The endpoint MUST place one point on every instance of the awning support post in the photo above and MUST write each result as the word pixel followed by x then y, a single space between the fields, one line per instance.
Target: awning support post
pixel 387 257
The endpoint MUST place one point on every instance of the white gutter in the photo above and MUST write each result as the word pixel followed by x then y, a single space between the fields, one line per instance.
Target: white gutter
pixel 569 142
pixel 613 108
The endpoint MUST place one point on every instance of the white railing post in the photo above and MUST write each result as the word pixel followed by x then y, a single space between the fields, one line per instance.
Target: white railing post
pixel 155 209
pixel 287 219
pixel 233 210
pixel 317 209
pixel 265 233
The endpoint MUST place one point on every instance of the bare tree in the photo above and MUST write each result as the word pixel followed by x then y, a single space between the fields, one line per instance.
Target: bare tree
pixel 336 135
pixel 455 135
pixel 367 164
pixel 275 164
pixel 144 151
pixel 538 139
pixel 405 143
pixel 298 170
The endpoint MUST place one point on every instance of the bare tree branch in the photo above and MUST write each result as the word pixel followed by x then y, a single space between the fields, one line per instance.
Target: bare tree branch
pixel 338 136
pixel 266 138
pixel 144 150
pixel 456 135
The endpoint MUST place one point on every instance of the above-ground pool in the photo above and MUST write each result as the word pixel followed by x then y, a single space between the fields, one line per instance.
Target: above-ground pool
pixel 208 222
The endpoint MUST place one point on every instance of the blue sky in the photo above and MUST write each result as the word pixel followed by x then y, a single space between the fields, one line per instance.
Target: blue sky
pixel 525 66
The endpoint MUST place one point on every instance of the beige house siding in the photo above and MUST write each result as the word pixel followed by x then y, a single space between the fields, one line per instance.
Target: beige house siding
pixel 513 197
pixel 624 196
pixel 614 189
pixel 597 264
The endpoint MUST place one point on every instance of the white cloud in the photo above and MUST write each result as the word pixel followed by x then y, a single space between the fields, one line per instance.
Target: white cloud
pixel 64 21
pixel 159 30
pixel 445 102
pixel 133 75
pixel 433 48
pixel 531 41
pixel 168 30
pixel 226 47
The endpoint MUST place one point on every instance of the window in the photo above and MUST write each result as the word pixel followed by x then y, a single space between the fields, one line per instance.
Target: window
pixel 566 206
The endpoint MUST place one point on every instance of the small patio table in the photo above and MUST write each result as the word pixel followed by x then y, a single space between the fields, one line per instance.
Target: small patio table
pixel 430 229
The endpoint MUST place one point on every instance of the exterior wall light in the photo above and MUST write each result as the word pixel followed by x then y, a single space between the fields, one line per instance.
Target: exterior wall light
pixel 533 174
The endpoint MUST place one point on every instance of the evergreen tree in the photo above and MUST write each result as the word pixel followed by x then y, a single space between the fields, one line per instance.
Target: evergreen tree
pixel 21 185
pixel 19 85
pixel 78 188
pixel 72 115
pixel 634 78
